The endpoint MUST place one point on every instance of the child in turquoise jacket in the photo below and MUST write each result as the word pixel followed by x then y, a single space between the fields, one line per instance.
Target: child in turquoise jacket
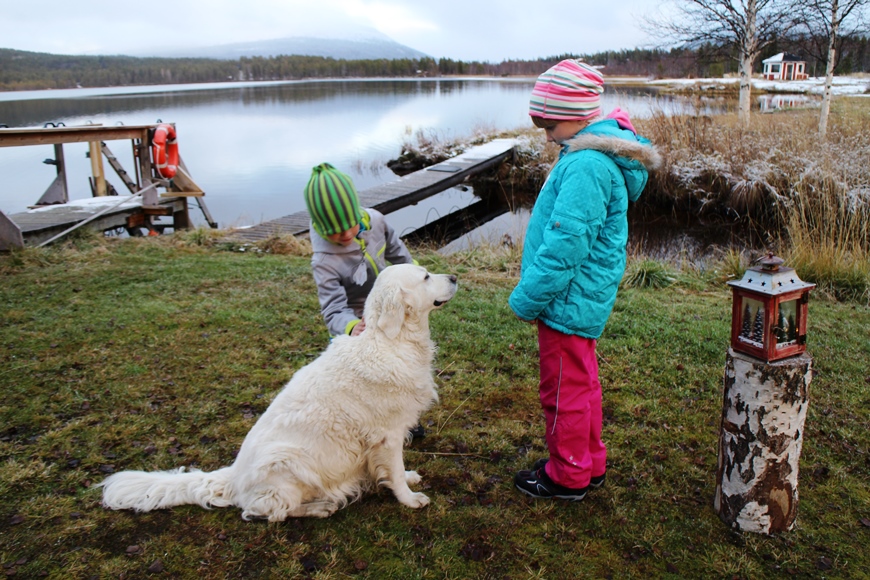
pixel 573 260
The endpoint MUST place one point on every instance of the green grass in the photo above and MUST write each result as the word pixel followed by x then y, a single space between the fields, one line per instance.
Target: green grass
pixel 149 354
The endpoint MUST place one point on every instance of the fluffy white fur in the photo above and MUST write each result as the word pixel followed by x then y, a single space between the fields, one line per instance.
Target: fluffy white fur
pixel 336 429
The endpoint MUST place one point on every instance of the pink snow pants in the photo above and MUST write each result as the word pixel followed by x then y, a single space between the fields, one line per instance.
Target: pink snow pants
pixel 571 398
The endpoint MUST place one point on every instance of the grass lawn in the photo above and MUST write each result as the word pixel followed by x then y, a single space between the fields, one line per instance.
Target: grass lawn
pixel 148 354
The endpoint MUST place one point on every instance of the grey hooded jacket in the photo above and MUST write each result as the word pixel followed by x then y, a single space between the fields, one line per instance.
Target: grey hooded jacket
pixel 341 298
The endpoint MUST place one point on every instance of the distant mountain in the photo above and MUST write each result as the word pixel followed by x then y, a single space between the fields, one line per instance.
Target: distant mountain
pixel 363 44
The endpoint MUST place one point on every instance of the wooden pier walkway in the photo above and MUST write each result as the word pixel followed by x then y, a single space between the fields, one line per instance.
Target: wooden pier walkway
pixel 393 196
pixel 40 224
pixel 54 215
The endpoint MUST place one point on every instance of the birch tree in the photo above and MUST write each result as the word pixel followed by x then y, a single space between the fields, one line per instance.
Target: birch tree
pixel 828 19
pixel 743 27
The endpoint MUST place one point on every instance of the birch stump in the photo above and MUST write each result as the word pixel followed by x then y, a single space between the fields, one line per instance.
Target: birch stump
pixel 760 441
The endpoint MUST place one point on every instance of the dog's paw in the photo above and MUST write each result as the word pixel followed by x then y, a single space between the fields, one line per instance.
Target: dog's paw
pixel 320 511
pixel 412 478
pixel 417 500
pixel 314 509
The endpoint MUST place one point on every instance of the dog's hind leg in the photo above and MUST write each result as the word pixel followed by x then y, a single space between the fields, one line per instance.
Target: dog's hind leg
pixel 271 499
pixel 391 472
pixel 279 503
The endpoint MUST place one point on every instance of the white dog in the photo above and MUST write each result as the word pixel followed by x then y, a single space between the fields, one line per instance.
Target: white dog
pixel 336 429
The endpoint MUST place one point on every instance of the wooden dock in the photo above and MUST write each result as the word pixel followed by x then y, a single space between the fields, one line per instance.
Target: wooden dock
pixel 53 215
pixel 393 196
pixel 40 224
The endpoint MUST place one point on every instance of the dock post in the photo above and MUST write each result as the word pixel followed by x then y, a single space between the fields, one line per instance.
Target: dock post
pixel 57 191
pixel 96 155
pixel 10 234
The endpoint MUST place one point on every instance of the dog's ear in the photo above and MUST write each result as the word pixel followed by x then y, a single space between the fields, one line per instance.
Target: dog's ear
pixel 392 312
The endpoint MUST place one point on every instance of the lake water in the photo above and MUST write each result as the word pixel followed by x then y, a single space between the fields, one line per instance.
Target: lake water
pixel 251 146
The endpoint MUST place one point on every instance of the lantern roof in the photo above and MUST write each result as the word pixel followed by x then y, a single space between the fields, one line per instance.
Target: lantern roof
pixel 771 278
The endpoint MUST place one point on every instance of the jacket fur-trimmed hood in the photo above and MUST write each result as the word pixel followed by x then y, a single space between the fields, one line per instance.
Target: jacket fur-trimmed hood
pixel 632 154
pixel 617 147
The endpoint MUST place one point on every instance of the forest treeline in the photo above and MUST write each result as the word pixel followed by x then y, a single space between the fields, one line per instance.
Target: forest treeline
pixel 21 70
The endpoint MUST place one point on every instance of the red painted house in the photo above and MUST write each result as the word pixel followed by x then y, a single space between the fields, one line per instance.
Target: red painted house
pixel 784 67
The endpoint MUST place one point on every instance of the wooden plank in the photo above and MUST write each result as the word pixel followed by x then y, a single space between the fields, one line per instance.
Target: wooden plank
pixel 408 190
pixel 183 181
pixel 119 169
pixel 16 137
pixel 41 224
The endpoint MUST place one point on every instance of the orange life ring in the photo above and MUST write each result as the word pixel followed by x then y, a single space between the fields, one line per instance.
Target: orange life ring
pixel 165 150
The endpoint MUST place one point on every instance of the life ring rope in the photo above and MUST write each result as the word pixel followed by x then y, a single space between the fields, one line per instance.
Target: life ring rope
pixel 165 150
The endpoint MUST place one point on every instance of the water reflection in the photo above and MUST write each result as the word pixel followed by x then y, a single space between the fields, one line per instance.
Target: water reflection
pixel 771 103
pixel 683 240
pixel 251 146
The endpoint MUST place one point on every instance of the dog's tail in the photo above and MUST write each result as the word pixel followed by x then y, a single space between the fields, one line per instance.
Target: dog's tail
pixel 145 491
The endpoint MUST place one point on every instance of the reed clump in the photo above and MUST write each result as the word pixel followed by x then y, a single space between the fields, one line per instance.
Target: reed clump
pixel 829 239
pixel 647 273
pixel 201 236
pixel 765 173
pixel 811 196
pixel 286 245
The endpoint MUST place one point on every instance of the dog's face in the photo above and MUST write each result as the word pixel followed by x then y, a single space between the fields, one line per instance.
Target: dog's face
pixel 406 293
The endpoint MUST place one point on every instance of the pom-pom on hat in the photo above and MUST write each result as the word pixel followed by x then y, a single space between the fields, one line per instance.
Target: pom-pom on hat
pixel 570 90
pixel 331 199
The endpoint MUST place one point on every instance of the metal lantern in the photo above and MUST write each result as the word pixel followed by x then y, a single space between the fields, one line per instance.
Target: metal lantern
pixel 769 314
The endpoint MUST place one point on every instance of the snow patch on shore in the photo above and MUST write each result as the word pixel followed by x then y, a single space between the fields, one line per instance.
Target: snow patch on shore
pixel 845 85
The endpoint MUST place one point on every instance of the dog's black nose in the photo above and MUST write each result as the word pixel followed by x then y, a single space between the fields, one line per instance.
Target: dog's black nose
pixel 453 278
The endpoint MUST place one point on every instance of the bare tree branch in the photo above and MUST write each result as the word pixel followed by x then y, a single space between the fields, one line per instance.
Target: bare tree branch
pixel 830 19
pixel 744 27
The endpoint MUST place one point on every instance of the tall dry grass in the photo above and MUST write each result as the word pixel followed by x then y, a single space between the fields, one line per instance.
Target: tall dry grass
pixel 811 195
pixel 829 239
pixel 808 198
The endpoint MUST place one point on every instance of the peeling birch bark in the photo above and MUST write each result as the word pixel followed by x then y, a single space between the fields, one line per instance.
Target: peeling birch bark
pixel 760 440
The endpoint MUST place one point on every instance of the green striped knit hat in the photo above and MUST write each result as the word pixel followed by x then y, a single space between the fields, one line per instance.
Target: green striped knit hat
pixel 331 201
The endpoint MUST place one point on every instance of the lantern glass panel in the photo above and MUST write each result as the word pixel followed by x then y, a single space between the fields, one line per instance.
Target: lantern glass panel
pixel 752 322
pixel 786 324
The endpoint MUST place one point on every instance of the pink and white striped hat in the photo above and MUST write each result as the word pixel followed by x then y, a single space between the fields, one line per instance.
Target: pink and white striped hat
pixel 570 90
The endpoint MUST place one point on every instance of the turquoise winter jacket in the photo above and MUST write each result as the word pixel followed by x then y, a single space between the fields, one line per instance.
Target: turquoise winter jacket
pixel 574 253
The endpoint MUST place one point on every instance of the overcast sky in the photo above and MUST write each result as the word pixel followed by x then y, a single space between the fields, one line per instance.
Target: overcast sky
pixel 486 30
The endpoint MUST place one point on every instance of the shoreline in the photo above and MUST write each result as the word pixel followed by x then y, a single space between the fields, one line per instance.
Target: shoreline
pixel 851 85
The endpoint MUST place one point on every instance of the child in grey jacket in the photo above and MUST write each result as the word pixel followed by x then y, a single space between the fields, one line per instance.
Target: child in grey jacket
pixel 351 246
